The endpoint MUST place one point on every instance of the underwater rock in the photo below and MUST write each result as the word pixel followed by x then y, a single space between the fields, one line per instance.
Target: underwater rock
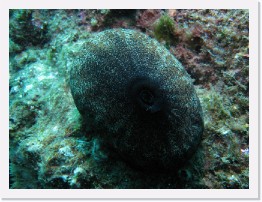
pixel 138 99
pixel 27 28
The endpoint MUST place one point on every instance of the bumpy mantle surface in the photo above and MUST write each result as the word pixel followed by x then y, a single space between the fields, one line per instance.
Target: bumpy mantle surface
pixel 138 99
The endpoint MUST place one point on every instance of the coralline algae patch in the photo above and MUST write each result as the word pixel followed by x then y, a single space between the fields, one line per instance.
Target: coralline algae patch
pixel 50 146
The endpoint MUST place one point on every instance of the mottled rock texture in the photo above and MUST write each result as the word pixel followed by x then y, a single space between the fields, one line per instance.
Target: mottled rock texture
pixel 138 99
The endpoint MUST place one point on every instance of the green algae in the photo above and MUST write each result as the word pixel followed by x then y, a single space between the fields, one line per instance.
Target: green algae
pixel 164 29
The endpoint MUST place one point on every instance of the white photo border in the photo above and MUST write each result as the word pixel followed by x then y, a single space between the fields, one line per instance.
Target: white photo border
pixel 254 174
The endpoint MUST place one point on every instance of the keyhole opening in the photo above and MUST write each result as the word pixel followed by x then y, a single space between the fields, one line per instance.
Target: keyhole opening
pixel 147 97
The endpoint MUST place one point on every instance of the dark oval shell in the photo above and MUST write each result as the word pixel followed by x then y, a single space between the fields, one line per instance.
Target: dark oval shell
pixel 137 97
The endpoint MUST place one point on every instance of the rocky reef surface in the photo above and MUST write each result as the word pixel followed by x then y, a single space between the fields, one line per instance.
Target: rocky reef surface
pixel 50 146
